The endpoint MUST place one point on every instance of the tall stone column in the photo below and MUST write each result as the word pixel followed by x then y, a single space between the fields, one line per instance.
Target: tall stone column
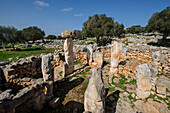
pixel 116 50
pixel 47 76
pixel 46 68
pixel 94 101
pixel 68 50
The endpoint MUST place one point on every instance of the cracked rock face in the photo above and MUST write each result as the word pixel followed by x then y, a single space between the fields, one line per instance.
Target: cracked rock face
pixel 94 100
pixel 46 68
pixel 69 58
pixel 116 50
pixel 146 77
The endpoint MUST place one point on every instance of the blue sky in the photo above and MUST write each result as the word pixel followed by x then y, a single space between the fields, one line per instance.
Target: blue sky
pixel 55 16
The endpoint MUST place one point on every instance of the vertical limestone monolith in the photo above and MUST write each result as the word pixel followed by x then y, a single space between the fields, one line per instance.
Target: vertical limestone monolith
pixel 116 50
pixel 146 78
pixel 46 68
pixel 94 101
pixel 68 49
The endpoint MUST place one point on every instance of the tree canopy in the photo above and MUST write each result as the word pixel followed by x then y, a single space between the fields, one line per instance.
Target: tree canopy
pixel 8 35
pixel 101 25
pixel 78 34
pixel 136 29
pixel 160 22
pixel 33 33
pixel 51 37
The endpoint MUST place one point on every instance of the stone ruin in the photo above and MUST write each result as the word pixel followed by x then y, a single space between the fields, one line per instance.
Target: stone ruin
pixel 94 101
pixel 68 66
pixel 29 83
pixel 116 50
pixel 146 78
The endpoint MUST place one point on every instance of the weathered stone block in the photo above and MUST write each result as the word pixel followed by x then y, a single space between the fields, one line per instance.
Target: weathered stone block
pixel 98 58
pixel 54 102
pixel 116 50
pixel 39 101
pixel 143 77
pixel 46 68
pixel 93 99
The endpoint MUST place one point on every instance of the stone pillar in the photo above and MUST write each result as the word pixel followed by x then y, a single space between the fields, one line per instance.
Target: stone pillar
pixel 90 54
pixel 146 78
pixel 116 50
pixel 68 49
pixel 47 76
pixel 46 68
pixel 94 101
pixel 98 58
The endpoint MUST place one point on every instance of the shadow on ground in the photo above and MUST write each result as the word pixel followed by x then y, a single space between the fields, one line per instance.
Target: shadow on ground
pixel 75 107
pixel 160 42
pixel 62 87
pixel 111 102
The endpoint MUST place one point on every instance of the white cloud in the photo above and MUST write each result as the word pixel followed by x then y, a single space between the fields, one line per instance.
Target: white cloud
pixel 40 3
pixel 67 9
pixel 78 15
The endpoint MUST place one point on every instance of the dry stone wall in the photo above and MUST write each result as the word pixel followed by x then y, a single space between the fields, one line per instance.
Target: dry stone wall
pixel 18 74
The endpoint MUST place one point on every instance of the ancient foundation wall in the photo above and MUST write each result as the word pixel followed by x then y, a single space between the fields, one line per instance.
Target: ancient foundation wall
pixel 140 53
pixel 27 99
pixel 19 73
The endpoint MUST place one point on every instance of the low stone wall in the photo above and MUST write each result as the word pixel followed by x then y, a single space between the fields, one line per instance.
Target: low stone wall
pixel 18 75
pixel 137 53
pixel 29 67
pixel 140 52
pixel 27 99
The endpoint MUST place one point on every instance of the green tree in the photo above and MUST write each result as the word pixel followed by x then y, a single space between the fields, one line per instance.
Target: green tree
pixel 77 34
pixel 136 29
pixel 3 41
pixel 119 30
pixel 33 33
pixel 99 26
pixel 9 35
pixel 51 37
pixel 160 22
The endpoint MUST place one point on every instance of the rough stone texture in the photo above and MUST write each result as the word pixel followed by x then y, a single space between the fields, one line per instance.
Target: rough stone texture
pixel 6 95
pixel 67 33
pixel 144 82
pixel 93 99
pixel 150 107
pixel 156 56
pixel 90 54
pixel 25 67
pixel 46 68
pixel 160 60
pixel 69 58
pixel 115 54
pixel 65 67
pixel 98 59
pixel 54 102
pixel 39 101
pixel 49 92
pixel 161 86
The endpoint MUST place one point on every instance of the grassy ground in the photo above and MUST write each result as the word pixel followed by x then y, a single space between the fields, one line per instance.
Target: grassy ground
pixel 26 52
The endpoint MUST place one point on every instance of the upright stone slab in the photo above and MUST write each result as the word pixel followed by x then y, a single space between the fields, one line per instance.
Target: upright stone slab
pixel 68 49
pixel 98 58
pixel 90 54
pixel 46 68
pixel 146 78
pixel 94 101
pixel 116 50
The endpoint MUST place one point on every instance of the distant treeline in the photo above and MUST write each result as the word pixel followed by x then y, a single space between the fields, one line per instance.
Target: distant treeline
pixel 99 26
